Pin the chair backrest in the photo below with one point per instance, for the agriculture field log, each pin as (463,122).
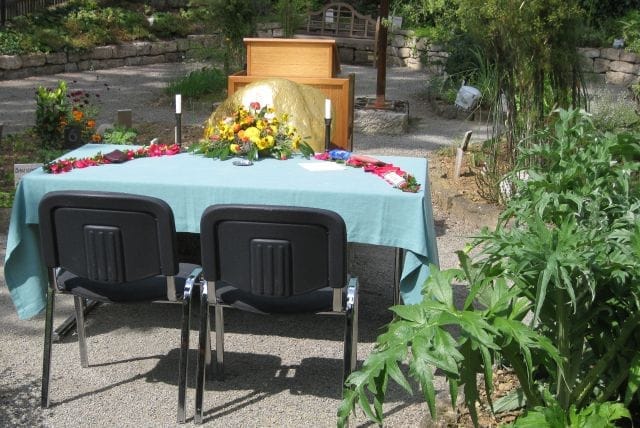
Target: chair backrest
(107,237)
(273,250)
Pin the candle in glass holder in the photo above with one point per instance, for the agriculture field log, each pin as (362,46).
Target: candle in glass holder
(178,103)
(327,108)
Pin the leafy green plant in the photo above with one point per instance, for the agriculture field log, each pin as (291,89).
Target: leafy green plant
(120,135)
(52,108)
(566,254)
(199,83)
(630,26)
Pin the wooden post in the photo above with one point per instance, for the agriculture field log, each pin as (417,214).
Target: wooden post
(124,119)
(381,60)
(460,154)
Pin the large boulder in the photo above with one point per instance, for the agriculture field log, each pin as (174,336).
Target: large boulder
(304,105)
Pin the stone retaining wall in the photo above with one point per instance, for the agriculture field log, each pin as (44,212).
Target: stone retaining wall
(102,57)
(404,49)
(618,66)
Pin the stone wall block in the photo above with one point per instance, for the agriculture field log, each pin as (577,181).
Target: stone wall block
(34,60)
(362,57)
(133,60)
(52,69)
(70,67)
(397,41)
(142,48)
(414,64)
(405,52)
(56,58)
(102,52)
(422,44)
(152,59)
(610,53)
(277,32)
(630,57)
(74,57)
(624,67)
(589,52)
(10,62)
(346,55)
(124,51)
(586,64)
(85,65)
(182,44)
(601,65)
(172,57)
(620,78)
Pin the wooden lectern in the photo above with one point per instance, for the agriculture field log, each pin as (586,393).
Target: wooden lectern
(312,62)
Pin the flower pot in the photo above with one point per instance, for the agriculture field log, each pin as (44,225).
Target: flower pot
(72,137)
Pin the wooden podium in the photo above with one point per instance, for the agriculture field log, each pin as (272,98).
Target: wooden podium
(312,62)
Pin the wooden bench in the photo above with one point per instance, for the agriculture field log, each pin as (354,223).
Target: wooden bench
(339,20)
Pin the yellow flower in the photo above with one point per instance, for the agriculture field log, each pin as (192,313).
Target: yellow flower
(235,148)
(253,134)
(265,143)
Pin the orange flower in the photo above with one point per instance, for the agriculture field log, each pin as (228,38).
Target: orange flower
(96,138)
(91,123)
(77,115)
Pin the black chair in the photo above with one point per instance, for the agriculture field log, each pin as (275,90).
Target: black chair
(114,248)
(273,259)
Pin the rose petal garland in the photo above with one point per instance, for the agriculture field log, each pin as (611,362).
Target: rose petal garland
(152,150)
(388,172)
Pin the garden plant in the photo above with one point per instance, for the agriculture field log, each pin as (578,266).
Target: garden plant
(554,293)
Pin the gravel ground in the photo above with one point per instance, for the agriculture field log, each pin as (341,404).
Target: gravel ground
(281,370)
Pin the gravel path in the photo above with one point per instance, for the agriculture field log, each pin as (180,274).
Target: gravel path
(281,370)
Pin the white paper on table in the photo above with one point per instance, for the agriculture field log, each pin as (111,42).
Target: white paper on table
(322,166)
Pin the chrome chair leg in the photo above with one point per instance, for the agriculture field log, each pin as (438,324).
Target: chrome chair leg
(202,349)
(46,359)
(350,330)
(219,315)
(79,304)
(184,353)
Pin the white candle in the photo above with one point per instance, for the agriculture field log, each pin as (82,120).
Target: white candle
(327,108)
(178,103)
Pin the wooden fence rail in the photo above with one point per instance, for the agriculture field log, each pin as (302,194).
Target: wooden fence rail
(12,8)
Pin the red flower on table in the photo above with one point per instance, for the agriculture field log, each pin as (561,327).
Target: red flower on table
(152,150)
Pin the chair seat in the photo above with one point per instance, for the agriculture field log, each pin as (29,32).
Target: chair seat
(314,301)
(149,289)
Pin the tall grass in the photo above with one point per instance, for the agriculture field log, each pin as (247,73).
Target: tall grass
(199,84)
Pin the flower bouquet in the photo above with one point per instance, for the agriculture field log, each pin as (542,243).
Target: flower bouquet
(252,133)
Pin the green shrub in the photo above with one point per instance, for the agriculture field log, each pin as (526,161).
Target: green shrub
(120,135)
(554,292)
(614,111)
(630,25)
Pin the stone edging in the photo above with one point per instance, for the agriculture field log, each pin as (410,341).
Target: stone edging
(102,57)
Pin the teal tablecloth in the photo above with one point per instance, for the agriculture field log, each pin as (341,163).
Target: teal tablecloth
(374,212)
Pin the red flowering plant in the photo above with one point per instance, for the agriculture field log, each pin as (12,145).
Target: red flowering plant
(117,156)
(82,116)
